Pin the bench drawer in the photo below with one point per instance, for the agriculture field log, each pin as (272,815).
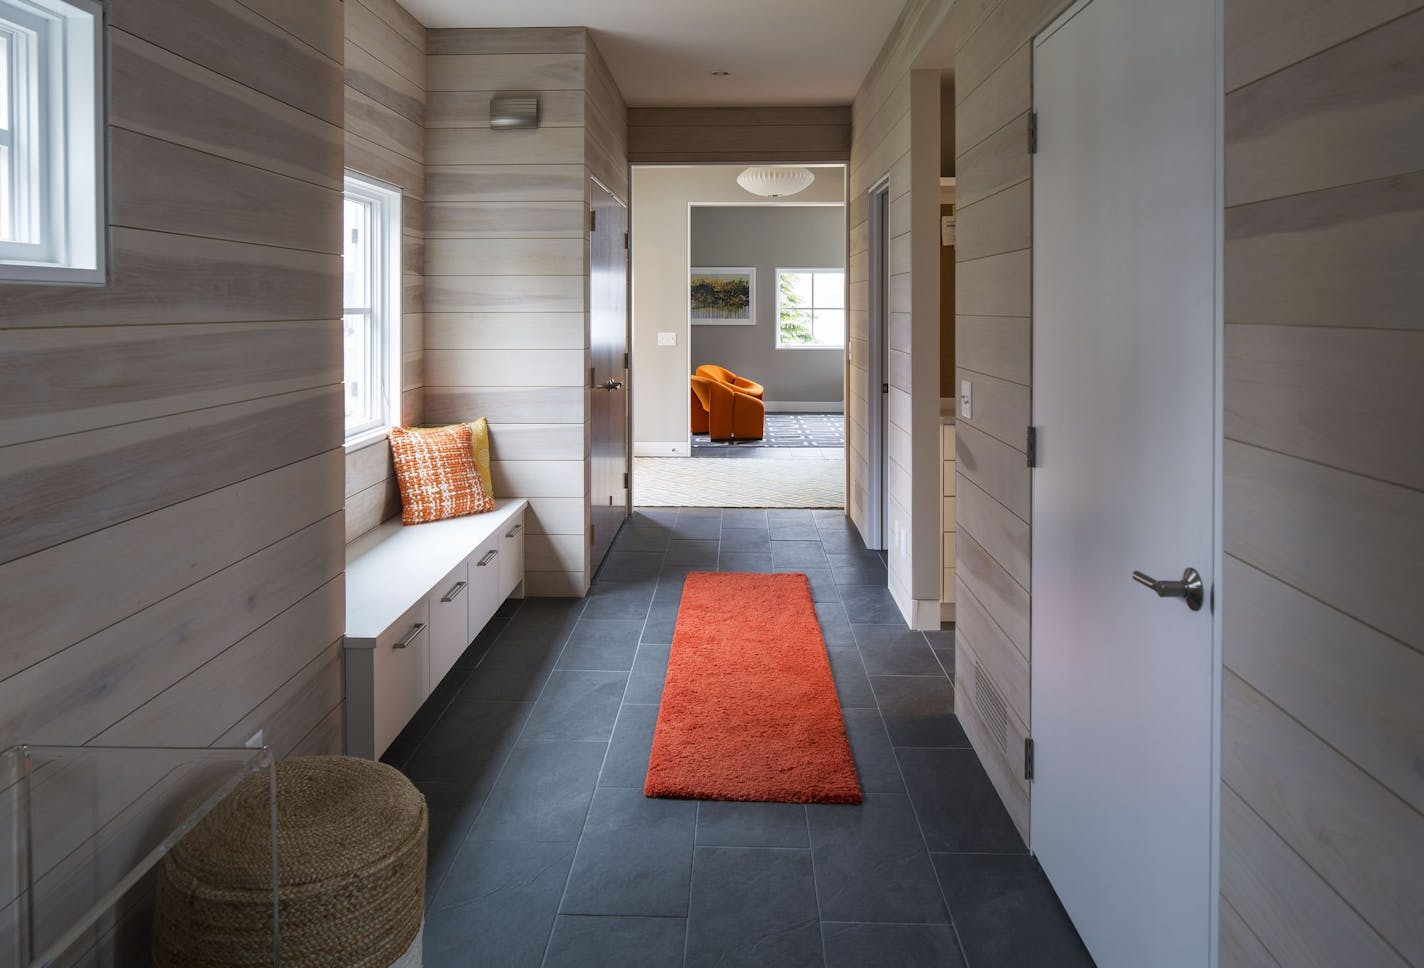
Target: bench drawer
(511,556)
(484,582)
(400,667)
(449,623)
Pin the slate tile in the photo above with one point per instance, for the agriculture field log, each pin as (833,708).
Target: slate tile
(580,941)
(871,605)
(627,600)
(542,794)
(731,824)
(871,863)
(745,540)
(753,907)
(632,745)
(874,757)
(645,685)
(958,808)
(635,857)
(891,651)
(918,710)
(602,644)
(1006,912)
(576,706)
(798,555)
(891,946)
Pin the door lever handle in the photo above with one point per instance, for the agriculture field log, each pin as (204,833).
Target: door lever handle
(1189,588)
(611,385)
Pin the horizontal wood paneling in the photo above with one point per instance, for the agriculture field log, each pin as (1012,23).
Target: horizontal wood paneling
(730,135)
(1339,257)
(1288,646)
(491,331)
(507,40)
(172,464)
(386,139)
(1372,404)
(1347,540)
(1322,828)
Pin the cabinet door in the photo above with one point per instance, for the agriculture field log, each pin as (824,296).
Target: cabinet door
(511,556)
(401,666)
(484,583)
(449,623)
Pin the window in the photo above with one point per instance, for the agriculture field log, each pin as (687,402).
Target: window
(51,144)
(810,308)
(371,307)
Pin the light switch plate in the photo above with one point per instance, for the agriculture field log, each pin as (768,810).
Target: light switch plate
(966,399)
(667,339)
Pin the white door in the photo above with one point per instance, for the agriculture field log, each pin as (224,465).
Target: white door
(1125,347)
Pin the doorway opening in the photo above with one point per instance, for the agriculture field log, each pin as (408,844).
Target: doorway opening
(740,307)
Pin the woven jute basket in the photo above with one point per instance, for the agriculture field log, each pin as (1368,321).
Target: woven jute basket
(351,857)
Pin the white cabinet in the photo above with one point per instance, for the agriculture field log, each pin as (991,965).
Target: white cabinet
(511,558)
(415,598)
(449,622)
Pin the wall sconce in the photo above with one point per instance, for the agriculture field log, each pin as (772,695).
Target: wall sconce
(514,111)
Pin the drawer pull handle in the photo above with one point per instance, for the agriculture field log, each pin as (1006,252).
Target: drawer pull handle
(488,558)
(453,593)
(515,530)
(410,637)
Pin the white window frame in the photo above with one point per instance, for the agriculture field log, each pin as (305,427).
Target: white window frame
(384,268)
(843,308)
(59,169)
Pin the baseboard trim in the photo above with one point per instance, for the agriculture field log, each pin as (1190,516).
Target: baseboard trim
(946,612)
(662,448)
(926,617)
(804,406)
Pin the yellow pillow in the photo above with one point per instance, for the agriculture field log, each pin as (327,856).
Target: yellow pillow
(479,432)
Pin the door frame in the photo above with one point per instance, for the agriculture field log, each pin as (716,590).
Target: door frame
(1215,593)
(598,184)
(876,406)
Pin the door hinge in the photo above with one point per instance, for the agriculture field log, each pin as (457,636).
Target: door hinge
(625,240)
(592,220)
(1031,447)
(884,388)
(592,379)
(625,480)
(1028,758)
(625,361)
(1033,132)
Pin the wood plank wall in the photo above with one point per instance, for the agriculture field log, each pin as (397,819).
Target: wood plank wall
(507,268)
(171,536)
(993,277)
(739,135)
(883,146)
(385,139)
(1322,836)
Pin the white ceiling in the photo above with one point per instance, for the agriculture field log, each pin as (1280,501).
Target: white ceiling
(662,52)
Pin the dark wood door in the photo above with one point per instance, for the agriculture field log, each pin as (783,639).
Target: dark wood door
(608,357)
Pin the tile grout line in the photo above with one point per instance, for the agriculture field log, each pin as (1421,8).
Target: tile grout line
(513,746)
(914,812)
(613,731)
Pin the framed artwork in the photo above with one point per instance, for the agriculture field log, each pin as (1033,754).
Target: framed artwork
(723,297)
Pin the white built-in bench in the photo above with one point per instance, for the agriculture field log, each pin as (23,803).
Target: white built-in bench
(416,597)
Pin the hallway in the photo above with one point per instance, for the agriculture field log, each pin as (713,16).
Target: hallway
(543,849)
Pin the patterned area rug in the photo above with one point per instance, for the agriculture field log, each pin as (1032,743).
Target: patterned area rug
(789,430)
(765,483)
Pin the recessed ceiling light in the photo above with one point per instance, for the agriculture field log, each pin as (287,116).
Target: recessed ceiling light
(721,73)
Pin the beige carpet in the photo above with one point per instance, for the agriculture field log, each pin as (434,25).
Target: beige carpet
(764,482)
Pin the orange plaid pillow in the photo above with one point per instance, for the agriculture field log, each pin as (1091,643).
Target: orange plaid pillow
(437,474)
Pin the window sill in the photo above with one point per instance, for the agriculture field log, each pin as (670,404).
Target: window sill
(838,347)
(366,438)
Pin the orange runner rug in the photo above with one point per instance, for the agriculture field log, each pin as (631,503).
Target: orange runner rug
(749,709)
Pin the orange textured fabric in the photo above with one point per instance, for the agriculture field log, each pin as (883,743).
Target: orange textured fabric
(437,474)
(711,371)
(749,709)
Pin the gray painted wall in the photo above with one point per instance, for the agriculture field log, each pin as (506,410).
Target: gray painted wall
(799,237)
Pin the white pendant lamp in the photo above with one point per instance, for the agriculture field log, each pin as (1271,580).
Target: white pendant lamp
(776,181)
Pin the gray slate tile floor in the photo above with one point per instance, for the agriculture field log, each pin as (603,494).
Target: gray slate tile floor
(544,851)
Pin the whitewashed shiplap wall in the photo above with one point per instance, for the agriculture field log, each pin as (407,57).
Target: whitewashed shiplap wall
(385,138)
(507,268)
(171,482)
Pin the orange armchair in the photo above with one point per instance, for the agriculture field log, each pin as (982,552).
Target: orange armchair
(721,374)
(724,412)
